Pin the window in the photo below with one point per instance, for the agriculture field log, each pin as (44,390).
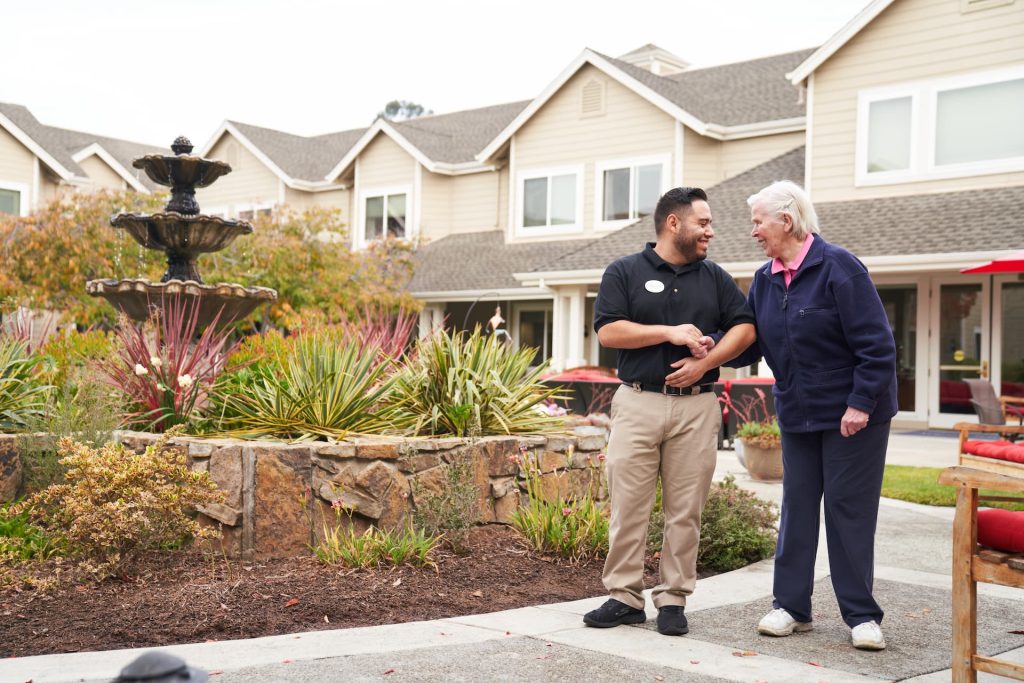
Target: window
(550,202)
(10,202)
(961,126)
(254,211)
(628,190)
(385,216)
(13,198)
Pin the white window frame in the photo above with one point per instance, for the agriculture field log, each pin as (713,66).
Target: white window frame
(924,113)
(632,163)
(217,211)
(544,230)
(411,222)
(23,198)
(255,207)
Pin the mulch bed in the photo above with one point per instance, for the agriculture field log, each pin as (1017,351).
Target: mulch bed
(185,597)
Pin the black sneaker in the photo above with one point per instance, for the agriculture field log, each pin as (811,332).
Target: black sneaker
(614,613)
(672,621)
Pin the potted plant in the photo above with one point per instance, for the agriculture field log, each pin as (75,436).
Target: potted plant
(759,443)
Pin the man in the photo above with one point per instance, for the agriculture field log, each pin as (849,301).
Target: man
(654,306)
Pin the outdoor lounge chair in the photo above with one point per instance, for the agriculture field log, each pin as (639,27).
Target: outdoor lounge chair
(993,410)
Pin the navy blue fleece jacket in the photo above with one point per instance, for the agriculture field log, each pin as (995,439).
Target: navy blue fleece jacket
(827,340)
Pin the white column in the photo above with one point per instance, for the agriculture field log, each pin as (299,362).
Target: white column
(559,330)
(575,351)
(431,319)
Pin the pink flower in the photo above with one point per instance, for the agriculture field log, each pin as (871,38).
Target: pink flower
(566,512)
(601,457)
(336,504)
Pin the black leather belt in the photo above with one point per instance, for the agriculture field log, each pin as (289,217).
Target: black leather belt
(692,390)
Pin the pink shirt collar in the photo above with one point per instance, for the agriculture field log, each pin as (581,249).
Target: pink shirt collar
(788,271)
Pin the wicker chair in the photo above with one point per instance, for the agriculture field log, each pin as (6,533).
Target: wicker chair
(995,410)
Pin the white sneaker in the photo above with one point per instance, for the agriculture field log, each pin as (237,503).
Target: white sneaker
(868,636)
(779,622)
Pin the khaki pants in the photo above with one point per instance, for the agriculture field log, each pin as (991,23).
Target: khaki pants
(675,437)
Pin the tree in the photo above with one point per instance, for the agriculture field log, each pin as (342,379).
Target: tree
(403,110)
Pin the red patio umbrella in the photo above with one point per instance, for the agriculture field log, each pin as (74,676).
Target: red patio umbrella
(1014,263)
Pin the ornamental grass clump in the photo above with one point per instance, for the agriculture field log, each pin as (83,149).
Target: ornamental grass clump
(463,384)
(755,423)
(311,386)
(116,504)
(574,528)
(374,547)
(22,391)
(165,369)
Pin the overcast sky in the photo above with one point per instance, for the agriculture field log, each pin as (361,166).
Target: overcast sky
(149,71)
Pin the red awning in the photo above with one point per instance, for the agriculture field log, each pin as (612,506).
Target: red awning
(1014,263)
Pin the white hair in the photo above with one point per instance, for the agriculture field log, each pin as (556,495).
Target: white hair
(785,196)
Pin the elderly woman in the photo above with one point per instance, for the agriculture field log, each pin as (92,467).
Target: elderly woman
(823,331)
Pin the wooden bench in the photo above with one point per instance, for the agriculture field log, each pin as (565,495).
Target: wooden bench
(971,563)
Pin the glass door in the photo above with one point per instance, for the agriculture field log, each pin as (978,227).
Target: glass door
(960,347)
(1008,333)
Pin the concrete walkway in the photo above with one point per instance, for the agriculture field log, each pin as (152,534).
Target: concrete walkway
(550,643)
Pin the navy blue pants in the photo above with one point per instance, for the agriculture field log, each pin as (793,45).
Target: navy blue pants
(848,471)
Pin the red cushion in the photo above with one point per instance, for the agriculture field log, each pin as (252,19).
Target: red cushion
(1001,529)
(998,450)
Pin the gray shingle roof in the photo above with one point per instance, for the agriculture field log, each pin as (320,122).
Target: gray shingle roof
(62,144)
(459,136)
(731,94)
(303,158)
(478,260)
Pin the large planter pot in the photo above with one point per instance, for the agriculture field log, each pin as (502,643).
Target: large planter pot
(763,464)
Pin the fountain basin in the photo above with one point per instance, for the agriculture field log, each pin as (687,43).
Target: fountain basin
(138,298)
(183,170)
(183,237)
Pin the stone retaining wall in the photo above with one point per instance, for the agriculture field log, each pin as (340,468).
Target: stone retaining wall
(278,496)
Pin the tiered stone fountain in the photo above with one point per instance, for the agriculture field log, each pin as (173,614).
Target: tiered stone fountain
(183,233)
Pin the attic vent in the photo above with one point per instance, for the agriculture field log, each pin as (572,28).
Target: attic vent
(975,5)
(232,155)
(592,98)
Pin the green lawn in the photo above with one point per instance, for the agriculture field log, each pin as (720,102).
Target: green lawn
(919,485)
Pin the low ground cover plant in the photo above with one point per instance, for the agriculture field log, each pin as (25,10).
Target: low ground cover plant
(374,547)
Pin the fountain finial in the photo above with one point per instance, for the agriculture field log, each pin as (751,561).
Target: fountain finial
(181,145)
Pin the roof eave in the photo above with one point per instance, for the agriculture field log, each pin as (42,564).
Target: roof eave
(832,45)
(107,158)
(37,149)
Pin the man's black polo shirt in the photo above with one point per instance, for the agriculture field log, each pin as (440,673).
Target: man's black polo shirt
(646,289)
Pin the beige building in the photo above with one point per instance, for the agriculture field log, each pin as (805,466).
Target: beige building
(39,162)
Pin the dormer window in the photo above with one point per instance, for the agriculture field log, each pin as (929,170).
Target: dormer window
(384,213)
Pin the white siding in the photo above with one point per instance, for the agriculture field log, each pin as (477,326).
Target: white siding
(15,161)
(911,40)
(742,155)
(384,164)
(558,135)
(436,205)
(100,174)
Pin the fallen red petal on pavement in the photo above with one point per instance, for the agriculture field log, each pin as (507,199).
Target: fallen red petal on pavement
(389,671)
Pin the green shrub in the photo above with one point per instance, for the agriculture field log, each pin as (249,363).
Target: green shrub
(22,392)
(737,528)
(311,387)
(471,385)
(343,545)
(72,358)
(20,539)
(453,511)
(575,528)
(116,504)
(763,433)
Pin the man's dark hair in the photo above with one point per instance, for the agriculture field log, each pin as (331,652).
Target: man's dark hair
(672,200)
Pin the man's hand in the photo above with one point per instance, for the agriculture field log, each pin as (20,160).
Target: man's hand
(689,336)
(853,421)
(690,370)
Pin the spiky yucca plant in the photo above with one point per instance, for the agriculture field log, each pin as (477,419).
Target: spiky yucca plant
(22,394)
(470,385)
(311,388)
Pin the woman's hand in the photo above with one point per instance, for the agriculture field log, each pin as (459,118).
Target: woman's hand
(853,421)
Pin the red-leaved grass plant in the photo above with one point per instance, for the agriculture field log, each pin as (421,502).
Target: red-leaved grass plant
(163,368)
(382,329)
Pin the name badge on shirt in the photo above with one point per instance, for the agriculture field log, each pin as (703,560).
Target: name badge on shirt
(654,286)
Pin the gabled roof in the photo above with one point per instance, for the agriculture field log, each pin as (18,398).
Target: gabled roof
(832,45)
(297,157)
(745,98)
(485,262)
(443,143)
(61,149)
(735,94)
